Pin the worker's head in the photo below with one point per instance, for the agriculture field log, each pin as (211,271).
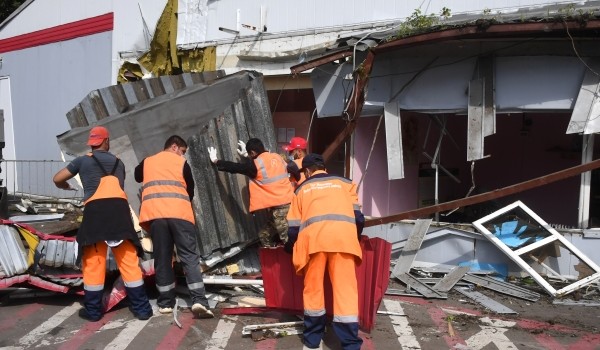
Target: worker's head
(99,138)
(254,147)
(311,163)
(176,144)
(296,148)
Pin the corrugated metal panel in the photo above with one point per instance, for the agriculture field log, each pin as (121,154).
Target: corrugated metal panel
(215,114)
(116,99)
(13,256)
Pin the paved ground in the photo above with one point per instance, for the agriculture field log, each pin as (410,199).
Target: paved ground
(52,323)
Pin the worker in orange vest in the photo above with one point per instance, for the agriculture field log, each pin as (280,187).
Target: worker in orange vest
(166,213)
(325,223)
(269,186)
(297,151)
(106,223)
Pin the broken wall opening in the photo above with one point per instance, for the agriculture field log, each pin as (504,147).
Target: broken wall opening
(525,146)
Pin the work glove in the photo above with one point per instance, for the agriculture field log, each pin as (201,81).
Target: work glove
(212,153)
(242,149)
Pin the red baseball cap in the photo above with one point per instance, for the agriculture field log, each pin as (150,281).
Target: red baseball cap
(295,143)
(97,135)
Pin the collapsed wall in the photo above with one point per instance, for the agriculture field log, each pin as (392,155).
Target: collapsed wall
(216,112)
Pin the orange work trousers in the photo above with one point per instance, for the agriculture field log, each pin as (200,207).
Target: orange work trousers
(94,265)
(342,273)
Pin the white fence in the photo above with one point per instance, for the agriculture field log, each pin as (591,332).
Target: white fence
(23,178)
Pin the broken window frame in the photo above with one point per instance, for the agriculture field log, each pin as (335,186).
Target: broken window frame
(515,255)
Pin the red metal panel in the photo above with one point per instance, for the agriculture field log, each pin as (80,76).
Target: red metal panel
(283,288)
(88,26)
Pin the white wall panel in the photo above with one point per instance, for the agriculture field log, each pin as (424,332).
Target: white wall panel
(42,14)
(46,83)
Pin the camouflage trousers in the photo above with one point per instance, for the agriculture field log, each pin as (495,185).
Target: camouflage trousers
(276,228)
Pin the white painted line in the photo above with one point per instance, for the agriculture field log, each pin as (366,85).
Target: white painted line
(131,330)
(403,330)
(126,336)
(222,333)
(38,333)
(494,333)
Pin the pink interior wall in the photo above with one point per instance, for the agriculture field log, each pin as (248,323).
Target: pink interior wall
(517,152)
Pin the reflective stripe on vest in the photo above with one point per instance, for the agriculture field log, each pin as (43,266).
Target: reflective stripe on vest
(164,191)
(327,217)
(271,186)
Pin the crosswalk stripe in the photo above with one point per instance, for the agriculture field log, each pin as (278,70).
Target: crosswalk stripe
(220,337)
(403,330)
(131,330)
(41,330)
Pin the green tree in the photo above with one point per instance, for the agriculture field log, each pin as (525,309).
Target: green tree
(7,7)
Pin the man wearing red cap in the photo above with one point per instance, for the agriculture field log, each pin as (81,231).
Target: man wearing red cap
(106,223)
(297,150)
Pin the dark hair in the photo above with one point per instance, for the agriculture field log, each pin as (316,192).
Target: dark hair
(177,140)
(255,145)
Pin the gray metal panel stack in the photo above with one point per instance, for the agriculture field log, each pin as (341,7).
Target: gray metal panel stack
(13,256)
(218,113)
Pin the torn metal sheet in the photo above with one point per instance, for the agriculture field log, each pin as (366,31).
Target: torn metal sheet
(13,256)
(408,253)
(424,289)
(486,69)
(489,303)
(475,124)
(501,287)
(519,232)
(393,139)
(448,282)
(587,106)
(216,114)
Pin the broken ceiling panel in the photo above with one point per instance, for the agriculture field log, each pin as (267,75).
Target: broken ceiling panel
(587,106)
(218,113)
(475,123)
(537,248)
(393,139)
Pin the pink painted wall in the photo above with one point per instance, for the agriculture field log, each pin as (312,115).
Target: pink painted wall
(521,149)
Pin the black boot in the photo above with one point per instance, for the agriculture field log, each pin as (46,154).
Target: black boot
(138,302)
(92,303)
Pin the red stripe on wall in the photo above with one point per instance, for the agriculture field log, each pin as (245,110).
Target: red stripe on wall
(88,26)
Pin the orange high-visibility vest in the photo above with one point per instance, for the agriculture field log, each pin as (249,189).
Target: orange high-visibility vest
(270,187)
(323,208)
(109,186)
(164,191)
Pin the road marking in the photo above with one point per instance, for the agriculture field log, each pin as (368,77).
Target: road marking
(131,330)
(220,337)
(493,333)
(40,331)
(403,330)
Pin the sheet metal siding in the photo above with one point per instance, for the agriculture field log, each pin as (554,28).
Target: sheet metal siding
(219,113)
(13,256)
(116,99)
(311,14)
(45,83)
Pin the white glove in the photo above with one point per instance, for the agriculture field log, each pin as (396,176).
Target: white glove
(242,149)
(212,153)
